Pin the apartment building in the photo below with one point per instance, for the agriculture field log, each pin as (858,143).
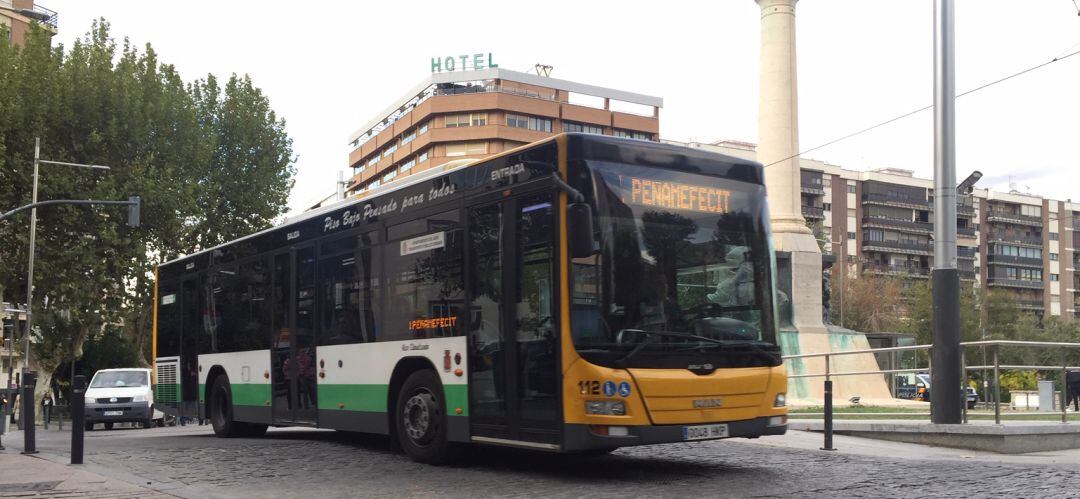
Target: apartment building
(17,16)
(475,113)
(881,221)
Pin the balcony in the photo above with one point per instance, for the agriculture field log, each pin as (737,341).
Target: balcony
(901,225)
(965,210)
(1012,218)
(966,253)
(885,200)
(808,188)
(899,270)
(1031,304)
(967,275)
(1031,242)
(1018,261)
(904,247)
(814,212)
(1014,283)
(965,231)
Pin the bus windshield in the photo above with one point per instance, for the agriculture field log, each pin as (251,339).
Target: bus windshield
(683,278)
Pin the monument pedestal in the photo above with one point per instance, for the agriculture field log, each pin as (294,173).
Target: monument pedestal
(802,330)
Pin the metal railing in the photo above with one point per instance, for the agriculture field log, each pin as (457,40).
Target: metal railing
(894,222)
(813,211)
(898,246)
(996,366)
(873,197)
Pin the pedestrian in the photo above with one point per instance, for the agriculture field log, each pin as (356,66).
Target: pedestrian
(1072,381)
(46,408)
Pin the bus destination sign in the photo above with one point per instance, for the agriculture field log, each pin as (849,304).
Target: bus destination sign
(676,196)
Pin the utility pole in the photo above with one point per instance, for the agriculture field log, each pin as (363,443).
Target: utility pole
(945,397)
(30,271)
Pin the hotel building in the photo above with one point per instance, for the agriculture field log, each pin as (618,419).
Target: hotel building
(476,113)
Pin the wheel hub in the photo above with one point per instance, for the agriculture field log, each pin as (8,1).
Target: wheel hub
(417,417)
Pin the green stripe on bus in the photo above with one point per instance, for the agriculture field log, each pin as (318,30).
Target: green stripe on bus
(257,394)
(372,398)
(369,398)
(457,396)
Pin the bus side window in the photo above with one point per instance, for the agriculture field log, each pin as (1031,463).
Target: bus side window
(424,282)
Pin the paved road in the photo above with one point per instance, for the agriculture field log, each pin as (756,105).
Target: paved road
(190,462)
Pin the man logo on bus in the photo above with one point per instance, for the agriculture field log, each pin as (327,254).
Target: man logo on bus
(609,388)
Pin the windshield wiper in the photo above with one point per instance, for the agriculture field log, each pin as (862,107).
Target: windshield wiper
(649,335)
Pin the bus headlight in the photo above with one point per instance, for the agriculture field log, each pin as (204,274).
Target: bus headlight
(605,407)
(780,400)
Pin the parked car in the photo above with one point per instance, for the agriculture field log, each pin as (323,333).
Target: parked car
(121,396)
(918,386)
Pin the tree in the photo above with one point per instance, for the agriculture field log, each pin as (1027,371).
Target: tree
(210,163)
(871,303)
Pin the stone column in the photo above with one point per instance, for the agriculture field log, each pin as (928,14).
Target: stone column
(778,113)
(778,144)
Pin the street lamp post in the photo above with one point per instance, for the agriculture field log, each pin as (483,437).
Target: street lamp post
(33,234)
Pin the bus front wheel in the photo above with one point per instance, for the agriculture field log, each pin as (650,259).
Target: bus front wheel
(421,418)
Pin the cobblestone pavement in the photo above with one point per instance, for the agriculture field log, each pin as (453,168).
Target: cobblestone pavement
(190,462)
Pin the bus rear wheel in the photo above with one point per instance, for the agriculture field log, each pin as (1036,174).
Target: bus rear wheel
(421,419)
(221,413)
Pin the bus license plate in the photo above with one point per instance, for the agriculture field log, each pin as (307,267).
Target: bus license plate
(704,432)
(113,413)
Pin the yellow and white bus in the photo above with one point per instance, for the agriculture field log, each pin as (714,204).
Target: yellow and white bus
(578,294)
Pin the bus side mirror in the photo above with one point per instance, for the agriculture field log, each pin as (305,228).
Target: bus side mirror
(580,231)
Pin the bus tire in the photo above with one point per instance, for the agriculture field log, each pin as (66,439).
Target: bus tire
(421,418)
(221,410)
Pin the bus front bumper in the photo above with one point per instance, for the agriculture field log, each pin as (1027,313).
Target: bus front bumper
(579,437)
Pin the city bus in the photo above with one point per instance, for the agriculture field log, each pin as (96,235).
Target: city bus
(578,294)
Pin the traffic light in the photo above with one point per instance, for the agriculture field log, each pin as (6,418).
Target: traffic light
(133,211)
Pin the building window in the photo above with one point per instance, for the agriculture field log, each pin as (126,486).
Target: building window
(466,148)
(1053,236)
(517,121)
(630,134)
(1054,277)
(851,235)
(390,175)
(582,128)
(827,207)
(423,156)
(389,150)
(409,137)
(851,212)
(538,124)
(423,129)
(406,166)
(851,189)
(1053,257)
(463,120)
(374,183)
(1030,211)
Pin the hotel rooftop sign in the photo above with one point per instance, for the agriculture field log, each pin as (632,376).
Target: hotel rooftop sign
(462,63)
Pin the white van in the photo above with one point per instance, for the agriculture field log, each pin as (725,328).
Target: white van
(120,396)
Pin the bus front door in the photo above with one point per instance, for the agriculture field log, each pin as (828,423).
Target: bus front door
(514,357)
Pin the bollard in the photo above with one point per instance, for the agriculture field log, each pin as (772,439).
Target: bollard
(29,442)
(77,404)
(828,416)
(3,415)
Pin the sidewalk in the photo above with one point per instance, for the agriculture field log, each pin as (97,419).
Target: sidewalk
(29,476)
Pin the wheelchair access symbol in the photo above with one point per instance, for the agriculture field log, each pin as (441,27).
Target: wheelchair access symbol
(624,389)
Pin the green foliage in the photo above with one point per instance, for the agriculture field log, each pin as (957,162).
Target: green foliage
(212,162)
(1019,380)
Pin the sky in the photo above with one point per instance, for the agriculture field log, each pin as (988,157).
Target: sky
(329,67)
